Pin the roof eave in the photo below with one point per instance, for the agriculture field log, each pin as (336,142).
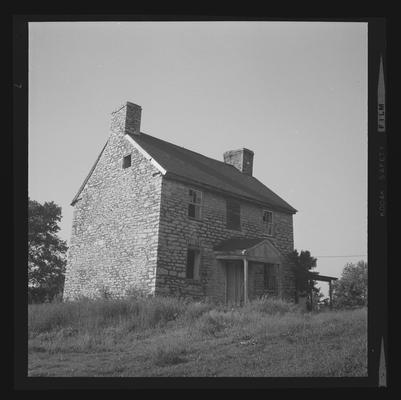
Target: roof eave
(179,178)
(162,170)
(81,188)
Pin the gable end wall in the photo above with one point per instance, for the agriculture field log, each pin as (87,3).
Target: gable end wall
(113,246)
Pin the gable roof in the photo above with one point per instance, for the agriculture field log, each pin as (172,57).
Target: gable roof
(181,164)
(191,167)
(259,250)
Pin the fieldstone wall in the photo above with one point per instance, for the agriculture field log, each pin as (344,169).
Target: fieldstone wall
(114,239)
(178,231)
(131,229)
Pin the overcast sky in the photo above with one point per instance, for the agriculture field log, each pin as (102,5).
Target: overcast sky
(293,92)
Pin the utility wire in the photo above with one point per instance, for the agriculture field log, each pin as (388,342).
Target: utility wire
(358,255)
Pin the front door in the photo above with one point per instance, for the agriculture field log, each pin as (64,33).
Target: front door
(234,282)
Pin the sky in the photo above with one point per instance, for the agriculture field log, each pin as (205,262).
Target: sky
(293,92)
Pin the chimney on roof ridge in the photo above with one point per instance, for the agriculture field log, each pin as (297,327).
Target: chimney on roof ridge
(241,159)
(126,119)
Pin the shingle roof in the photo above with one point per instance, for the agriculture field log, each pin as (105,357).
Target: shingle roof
(238,244)
(187,165)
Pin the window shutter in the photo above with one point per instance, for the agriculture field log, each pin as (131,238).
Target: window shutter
(190,263)
(271,277)
(233,214)
(193,264)
(268,221)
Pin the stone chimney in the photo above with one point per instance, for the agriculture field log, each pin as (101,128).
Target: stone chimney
(241,159)
(126,119)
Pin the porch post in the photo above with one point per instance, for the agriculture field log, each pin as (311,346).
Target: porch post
(330,295)
(245,280)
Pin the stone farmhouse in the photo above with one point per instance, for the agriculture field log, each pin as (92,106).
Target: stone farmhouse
(157,218)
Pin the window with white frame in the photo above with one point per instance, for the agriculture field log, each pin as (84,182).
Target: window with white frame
(193,263)
(268,221)
(194,204)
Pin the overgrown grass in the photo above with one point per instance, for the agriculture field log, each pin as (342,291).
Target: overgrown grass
(161,336)
(133,314)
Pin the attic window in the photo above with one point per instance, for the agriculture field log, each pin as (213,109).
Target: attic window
(268,221)
(194,203)
(233,215)
(127,161)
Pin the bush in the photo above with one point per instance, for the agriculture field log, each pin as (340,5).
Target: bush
(350,291)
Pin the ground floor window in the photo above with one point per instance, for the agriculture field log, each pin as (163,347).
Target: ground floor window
(193,262)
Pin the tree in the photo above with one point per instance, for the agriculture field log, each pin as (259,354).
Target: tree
(351,290)
(46,252)
(302,263)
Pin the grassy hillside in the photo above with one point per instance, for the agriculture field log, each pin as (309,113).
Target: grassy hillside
(170,337)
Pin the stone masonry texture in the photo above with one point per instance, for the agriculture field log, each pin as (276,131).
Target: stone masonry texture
(178,232)
(114,238)
(131,229)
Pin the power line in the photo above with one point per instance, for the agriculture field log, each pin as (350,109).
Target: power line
(358,255)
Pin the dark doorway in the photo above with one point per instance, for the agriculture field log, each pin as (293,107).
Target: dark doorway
(234,282)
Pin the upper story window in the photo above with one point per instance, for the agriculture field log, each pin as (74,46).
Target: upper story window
(268,221)
(271,277)
(233,215)
(127,161)
(193,263)
(194,203)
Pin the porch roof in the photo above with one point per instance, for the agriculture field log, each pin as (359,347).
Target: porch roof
(258,250)
(323,278)
(237,244)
